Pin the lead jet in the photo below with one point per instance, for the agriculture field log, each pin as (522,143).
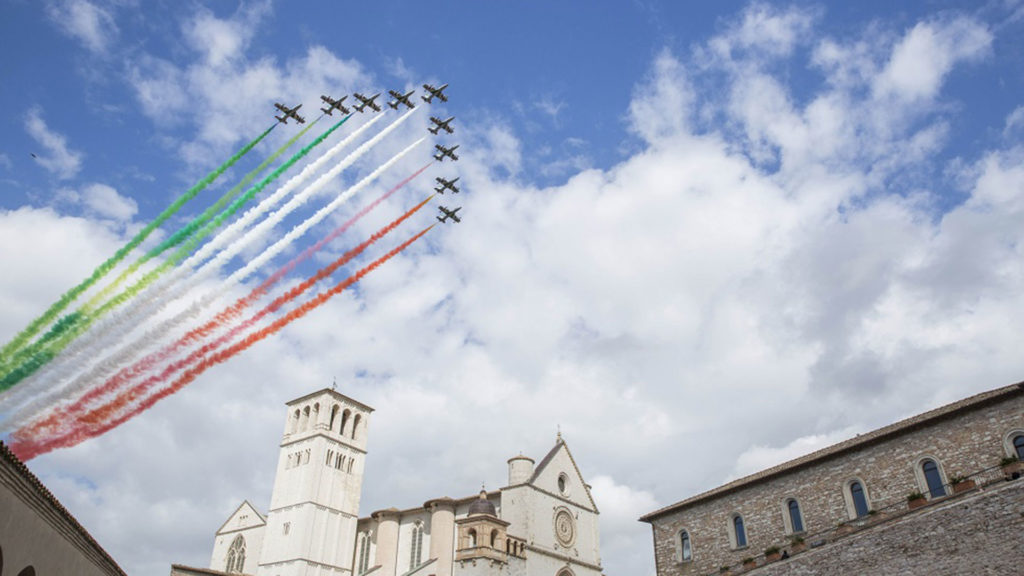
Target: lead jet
(366,102)
(439,92)
(333,105)
(446,185)
(440,125)
(289,113)
(401,99)
(443,152)
(448,214)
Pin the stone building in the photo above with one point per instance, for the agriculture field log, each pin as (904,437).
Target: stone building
(544,522)
(933,494)
(37,534)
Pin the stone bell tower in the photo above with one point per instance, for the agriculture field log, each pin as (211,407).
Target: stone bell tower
(311,524)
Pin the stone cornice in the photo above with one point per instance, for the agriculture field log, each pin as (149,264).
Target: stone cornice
(560,556)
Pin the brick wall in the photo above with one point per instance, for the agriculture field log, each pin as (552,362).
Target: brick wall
(962,443)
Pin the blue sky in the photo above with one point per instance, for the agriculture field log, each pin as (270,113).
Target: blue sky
(669,206)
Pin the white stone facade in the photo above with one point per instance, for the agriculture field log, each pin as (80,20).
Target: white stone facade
(544,522)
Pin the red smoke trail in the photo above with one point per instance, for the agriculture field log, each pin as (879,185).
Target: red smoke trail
(125,375)
(105,418)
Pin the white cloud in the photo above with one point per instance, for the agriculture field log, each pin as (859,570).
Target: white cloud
(923,58)
(90,24)
(1014,121)
(60,160)
(105,201)
(5,161)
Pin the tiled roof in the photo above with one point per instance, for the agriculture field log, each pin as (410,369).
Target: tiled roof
(858,442)
(190,570)
(51,510)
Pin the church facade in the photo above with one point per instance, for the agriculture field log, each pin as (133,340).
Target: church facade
(544,522)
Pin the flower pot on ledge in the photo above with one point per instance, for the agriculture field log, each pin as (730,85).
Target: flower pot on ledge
(964,486)
(797,548)
(917,503)
(1013,470)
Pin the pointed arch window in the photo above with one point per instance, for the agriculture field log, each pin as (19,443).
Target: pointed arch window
(416,553)
(236,556)
(364,552)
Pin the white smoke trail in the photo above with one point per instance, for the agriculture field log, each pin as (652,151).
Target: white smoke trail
(151,305)
(52,379)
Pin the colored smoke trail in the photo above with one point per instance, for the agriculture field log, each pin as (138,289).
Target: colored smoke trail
(103,370)
(106,418)
(188,229)
(73,325)
(83,404)
(65,300)
(117,326)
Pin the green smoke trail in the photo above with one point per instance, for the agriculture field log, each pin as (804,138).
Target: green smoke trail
(36,325)
(186,230)
(73,325)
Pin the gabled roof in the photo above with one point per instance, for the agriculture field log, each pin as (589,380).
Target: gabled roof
(30,490)
(856,443)
(244,504)
(559,444)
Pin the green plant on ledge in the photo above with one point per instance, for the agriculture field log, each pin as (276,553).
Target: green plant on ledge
(796,539)
(748,560)
(771,550)
(723,569)
(1008,460)
(957,479)
(917,495)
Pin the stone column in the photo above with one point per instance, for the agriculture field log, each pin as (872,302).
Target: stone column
(442,534)
(387,541)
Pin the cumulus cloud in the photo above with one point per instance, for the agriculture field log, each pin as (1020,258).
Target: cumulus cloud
(88,23)
(58,159)
(923,58)
(106,202)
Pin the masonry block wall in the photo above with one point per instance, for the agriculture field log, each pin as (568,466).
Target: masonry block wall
(962,438)
(980,534)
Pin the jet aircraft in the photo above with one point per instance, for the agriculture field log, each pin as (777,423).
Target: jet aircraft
(366,102)
(439,92)
(401,99)
(440,125)
(333,105)
(443,152)
(289,113)
(448,214)
(446,185)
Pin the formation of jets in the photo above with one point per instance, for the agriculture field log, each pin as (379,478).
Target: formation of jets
(434,93)
(333,105)
(443,153)
(446,185)
(440,125)
(448,214)
(289,113)
(443,184)
(401,99)
(366,102)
